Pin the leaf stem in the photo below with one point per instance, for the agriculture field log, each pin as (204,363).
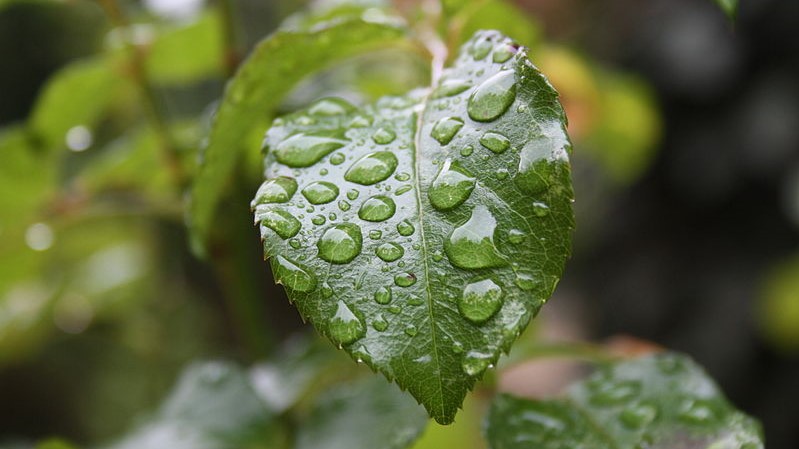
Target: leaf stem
(431,40)
(232,55)
(169,151)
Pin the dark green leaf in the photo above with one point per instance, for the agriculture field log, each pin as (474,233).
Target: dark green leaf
(187,54)
(366,415)
(424,232)
(252,96)
(663,401)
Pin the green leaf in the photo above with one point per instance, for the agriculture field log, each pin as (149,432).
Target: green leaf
(253,95)
(663,401)
(423,233)
(730,7)
(187,54)
(365,415)
(498,15)
(212,406)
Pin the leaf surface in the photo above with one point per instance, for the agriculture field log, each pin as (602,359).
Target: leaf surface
(422,233)
(662,401)
(253,95)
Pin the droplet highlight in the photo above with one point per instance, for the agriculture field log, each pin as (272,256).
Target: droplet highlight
(377,208)
(493,97)
(471,245)
(480,300)
(451,187)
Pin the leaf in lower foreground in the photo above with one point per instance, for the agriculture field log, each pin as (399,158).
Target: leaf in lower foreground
(252,96)
(366,415)
(424,232)
(661,401)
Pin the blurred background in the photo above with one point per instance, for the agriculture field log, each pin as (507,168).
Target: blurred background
(686,132)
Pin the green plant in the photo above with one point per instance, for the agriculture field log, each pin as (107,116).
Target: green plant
(419,231)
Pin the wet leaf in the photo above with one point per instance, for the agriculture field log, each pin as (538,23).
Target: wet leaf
(426,230)
(664,401)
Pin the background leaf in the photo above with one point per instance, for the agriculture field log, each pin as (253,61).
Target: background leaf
(424,232)
(663,401)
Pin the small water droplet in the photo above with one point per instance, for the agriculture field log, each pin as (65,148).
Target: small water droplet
(451,187)
(345,327)
(318,220)
(525,280)
(353,194)
(384,136)
(395,309)
(380,324)
(405,228)
(467,151)
(344,206)
(375,234)
(475,363)
(330,107)
(340,243)
(389,252)
(306,149)
(332,216)
(337,158)
(283,223)
(451,87)
(293,275)
(372,168)
(516,236)
(438,256)
(445,129)
(383,295)
(323,172)
(457,347)
(415,300)
(295,243)
(377,208)
(276,190)
(480,300)
(613,393)
(360,122)
(493,97)
(320,192)
(403,189)
(402,176)
(480,48)
(405,279)
(638,416)
(495,142)
(471,245)
(503,52)
(410,330)
(540,209)
(502,174)
(698,411)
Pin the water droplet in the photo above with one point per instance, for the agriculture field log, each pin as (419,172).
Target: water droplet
(372,168)
(389,252)
(613,393)
(480,48)
(277,190)
(340,243)
(293,275)
(503,52)
(332,216)
(445,129)
(295,243)
(39,237)
(318,220)
(526,281)
(415,300)
(410,330)
(699,411)
(405,228)
(457,347)
(537,171)
(345,327)
(467,151)
(451,187)
(384,136)
(283,223)
(475,363)
(343,205)
(402,176)
(337,158)
(516,236)
(79,138)
(375,234)
(320,192)
(480,300)
(540,209)
(383,295)
(451,87)
(471,245)
(377,208)
(403,189)
(323,172)
(326,290)
(306,149)
(395,309)
(492,98)
(495,142)
(669,365)
(353,194)
(380,324)
(438,256)
(405,279)
(638,416)
(330,107)
(360,122)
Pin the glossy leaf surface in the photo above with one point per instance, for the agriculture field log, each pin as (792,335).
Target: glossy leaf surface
(425,231)
(661,401)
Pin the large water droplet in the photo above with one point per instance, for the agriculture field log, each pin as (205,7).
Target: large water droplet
(383,295)
(405,279)
(320,192)
(475,363)
(445,129)
(405,228)
(277,190)
(278,220)
(372,168)
(480,48)
(492,98)
(306,149)
(503,52)
(389,252)
(377,208)
(451,87)
(471,245)
(451,187)
(384,136)
(345,327)
(480,300)
(293,275)
(330,107)
(495,142)
(340,243)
